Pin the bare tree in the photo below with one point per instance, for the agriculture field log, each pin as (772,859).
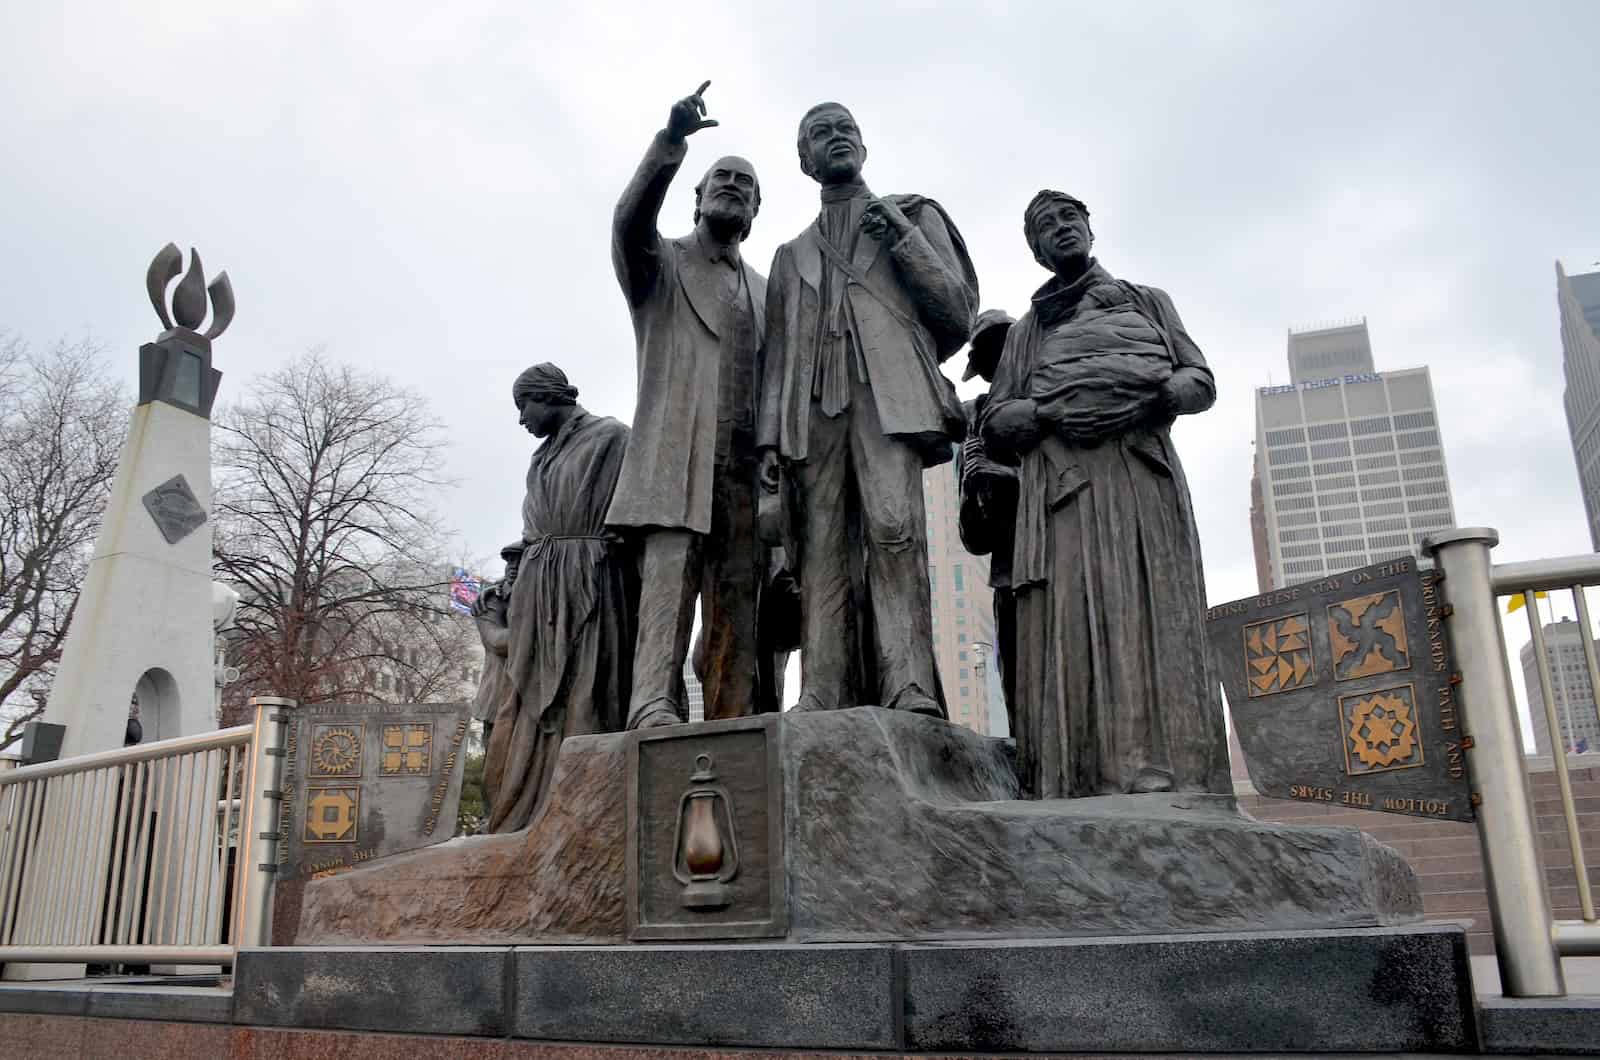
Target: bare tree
(325,479)
(63,420)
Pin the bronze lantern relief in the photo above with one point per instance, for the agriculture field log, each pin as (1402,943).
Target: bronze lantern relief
(705,845)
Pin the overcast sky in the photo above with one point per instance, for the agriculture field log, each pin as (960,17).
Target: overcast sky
(426,190)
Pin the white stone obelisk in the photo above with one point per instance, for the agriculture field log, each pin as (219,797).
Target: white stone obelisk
(143,624)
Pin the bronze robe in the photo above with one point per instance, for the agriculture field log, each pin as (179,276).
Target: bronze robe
(1114,686)
(571,618)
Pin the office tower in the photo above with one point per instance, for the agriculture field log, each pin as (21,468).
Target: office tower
(1569,680)
(1579,300)
(963,612)
(1351,468)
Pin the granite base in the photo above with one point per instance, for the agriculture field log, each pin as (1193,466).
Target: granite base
(1362,990)
(1395,991)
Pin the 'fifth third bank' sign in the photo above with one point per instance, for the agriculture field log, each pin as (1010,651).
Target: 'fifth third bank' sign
(1341,691)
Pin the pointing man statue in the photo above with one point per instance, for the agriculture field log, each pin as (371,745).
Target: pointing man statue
(862,308)
(688,485)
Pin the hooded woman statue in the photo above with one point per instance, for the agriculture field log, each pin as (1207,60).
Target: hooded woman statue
(573,600)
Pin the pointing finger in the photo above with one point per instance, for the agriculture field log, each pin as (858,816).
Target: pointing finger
(703,86)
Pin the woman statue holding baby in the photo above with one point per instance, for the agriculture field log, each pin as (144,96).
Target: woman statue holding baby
(1115,691)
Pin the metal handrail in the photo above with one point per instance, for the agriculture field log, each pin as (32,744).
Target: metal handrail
(1539,575)
(124,855)
(238,736)
(1529,942)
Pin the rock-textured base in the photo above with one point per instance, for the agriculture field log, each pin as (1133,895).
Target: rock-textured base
(902,827)
(559,880)
(896,827)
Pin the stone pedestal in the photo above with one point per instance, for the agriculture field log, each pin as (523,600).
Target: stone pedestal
(853,826)
(1364,990)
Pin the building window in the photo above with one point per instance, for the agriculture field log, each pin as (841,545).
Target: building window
(961,655)
(1414,439)
(961,638)
(1378,425)
(1412,420)
(955,572)
(1292,455)
(1288,437)
(1376,444)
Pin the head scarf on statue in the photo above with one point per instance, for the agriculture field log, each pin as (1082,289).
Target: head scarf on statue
(544,382)
(1049,200)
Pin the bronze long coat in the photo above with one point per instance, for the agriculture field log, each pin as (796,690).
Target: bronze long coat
(678,321)
(911,313)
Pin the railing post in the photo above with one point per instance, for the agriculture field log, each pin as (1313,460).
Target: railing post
(259,838)
(1519,903)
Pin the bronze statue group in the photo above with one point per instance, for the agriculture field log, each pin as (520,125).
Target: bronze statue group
(777,448)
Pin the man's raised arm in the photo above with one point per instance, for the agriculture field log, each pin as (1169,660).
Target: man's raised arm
(635,242)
